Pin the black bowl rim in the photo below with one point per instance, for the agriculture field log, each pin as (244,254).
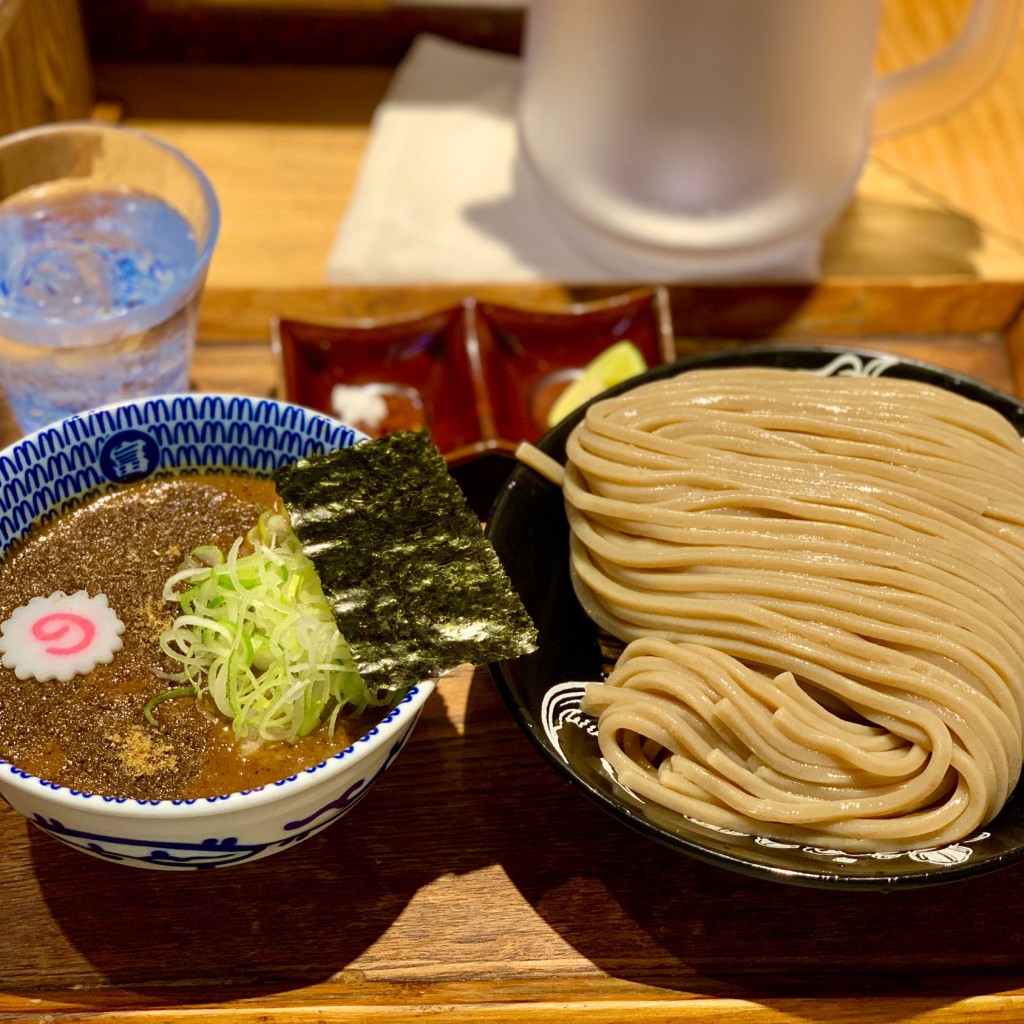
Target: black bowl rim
(794,356)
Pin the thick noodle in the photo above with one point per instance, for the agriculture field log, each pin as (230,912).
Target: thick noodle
(820,582)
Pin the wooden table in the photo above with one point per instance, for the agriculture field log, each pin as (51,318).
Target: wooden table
(474,885)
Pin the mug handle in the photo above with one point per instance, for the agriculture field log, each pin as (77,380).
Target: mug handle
(906,99)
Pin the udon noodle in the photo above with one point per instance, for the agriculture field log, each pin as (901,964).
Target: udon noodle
(820,583)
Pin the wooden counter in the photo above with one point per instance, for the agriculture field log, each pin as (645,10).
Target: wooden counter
(283,147)
(474,885)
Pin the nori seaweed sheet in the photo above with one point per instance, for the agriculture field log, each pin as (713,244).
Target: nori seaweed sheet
(415,586)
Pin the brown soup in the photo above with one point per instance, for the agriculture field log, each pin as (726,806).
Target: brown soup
(90,733)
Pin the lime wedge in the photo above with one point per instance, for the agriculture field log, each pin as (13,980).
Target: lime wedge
(615,364)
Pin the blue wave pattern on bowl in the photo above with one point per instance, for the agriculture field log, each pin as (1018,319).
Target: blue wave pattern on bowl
(217,852)
(44,475)
(49,471)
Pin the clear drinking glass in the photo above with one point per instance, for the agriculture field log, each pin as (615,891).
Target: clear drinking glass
(106,235)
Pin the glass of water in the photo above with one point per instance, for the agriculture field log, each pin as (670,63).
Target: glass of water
(106,235)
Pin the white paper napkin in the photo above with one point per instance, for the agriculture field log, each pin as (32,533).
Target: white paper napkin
(443,196)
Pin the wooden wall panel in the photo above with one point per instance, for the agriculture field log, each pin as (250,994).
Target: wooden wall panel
(296,32)
(45,73)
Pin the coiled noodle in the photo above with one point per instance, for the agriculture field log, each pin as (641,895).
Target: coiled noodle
(820,582)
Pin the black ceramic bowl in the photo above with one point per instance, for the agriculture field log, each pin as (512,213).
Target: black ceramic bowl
(528,528)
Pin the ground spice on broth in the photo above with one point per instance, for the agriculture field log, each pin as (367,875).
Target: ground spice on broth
(89,733)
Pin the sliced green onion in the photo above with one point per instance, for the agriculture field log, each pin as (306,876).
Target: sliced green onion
(151,704)
(257,638)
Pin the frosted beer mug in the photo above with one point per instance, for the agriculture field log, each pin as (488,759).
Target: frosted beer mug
(714,133)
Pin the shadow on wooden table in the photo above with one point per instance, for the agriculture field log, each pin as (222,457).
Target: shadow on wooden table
(295,918)
(644,913)
(901,240)
(882,237)
(473,861)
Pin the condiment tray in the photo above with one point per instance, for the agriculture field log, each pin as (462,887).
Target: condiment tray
(479,376)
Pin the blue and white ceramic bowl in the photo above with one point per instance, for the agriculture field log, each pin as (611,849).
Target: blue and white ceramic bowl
(45,473)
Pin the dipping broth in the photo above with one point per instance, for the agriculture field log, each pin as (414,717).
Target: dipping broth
(90,733)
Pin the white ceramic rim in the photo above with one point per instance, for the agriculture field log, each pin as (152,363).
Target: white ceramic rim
(387,731)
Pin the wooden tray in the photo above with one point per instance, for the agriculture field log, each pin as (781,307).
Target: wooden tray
(474,885)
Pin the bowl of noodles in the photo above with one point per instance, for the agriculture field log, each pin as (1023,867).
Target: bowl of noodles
(780,598)
(121,529)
